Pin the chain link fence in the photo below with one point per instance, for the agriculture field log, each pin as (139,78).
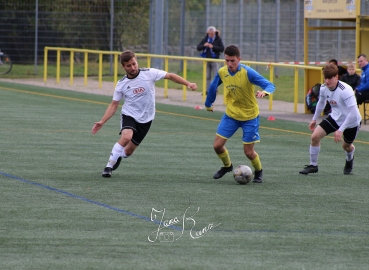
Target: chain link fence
(265,30)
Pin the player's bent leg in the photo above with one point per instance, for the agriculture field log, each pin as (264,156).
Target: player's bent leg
(318,134)
(349,136)
(348,166)
(118,152)
(223,155)
(125,137)
(130,148)
(349,150)
(227,127)
(219,143)
(248,149)
(126,152)
(114,160)
(255,161)
(250,136)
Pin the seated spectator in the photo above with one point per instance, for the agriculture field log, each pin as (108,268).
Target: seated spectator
(312,98)
(362,91)
(341,70)
(351,78)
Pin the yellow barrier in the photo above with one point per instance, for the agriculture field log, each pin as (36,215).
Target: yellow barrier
(270,66)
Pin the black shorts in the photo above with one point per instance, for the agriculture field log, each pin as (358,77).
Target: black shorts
(329,126)
(139,129)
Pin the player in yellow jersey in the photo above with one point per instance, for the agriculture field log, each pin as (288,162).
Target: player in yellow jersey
(242,109)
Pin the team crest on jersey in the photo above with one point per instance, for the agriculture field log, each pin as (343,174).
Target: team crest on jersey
(138,90)
(333,103)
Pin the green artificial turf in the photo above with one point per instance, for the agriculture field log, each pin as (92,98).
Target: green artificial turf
(57,212)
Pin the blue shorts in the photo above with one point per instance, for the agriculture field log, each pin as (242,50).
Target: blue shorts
(228,126)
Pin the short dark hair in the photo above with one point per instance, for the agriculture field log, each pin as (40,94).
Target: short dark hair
(362,55)
(126,56)
(232,50)
(333,61)
(330,71)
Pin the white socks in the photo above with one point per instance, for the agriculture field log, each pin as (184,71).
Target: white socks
(314,152)
(350,155)
(116,152)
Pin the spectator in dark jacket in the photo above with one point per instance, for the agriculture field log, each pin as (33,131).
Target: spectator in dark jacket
(351,78)
(211,46)
(341,70)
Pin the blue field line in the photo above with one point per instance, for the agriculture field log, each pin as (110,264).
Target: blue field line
(86,200)
(172,227)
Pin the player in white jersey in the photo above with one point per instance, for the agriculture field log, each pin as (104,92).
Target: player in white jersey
(137,88)
(344,120)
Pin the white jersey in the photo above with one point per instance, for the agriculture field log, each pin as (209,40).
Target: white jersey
(139,94)
(340,100)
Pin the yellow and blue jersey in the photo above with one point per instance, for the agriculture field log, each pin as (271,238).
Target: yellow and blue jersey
(240,91)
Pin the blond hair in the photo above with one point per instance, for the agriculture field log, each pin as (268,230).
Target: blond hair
(351,65)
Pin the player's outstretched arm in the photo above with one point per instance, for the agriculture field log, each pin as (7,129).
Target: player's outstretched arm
(210,109)
(312,125)
(261,94)
(212,93)
(178,79)
(110,111)
(257,79)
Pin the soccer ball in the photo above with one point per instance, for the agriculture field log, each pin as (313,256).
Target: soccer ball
(242,174)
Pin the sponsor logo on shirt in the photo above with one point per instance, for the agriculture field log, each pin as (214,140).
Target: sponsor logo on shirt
(138,90)
(333,103)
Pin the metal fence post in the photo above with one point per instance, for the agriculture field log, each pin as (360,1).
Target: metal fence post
(204,64)
(100,69)
(151,26)
(317,40)
(158,38)
(258,42)
(166,27)
(45,64)
(71,67)
(207,13)
(277,35)
(241,23)
(297,31)
(224,17)
(85,69)
(111,34)
(182,32)
(36,35)
(184,87)
(166,68)
(296,90)
(58,66)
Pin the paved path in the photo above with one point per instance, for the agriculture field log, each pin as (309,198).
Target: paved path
(280,110)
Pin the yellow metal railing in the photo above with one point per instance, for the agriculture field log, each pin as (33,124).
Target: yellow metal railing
(166,58)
